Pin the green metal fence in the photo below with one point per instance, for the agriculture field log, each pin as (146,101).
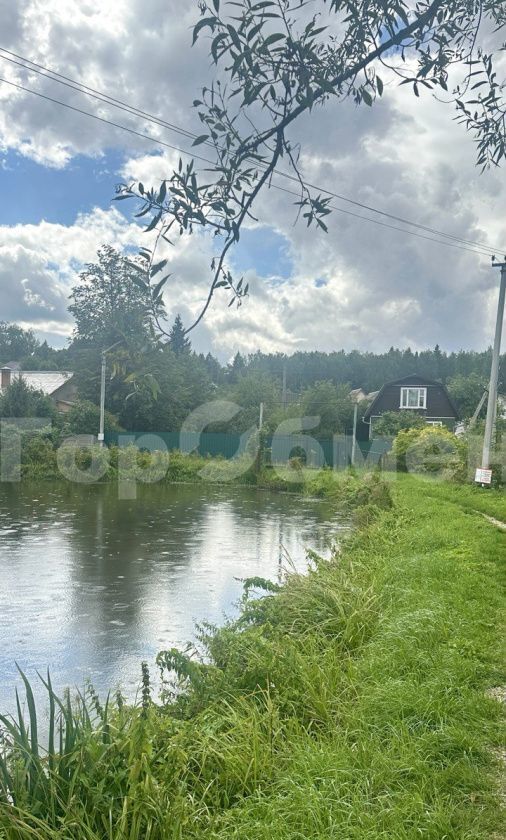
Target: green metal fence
(316,452)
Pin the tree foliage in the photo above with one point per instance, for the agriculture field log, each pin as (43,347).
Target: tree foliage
(178,342)
(332,404)
(156,389)
(20,400)
(392,422)
(431,450)
(466,392)
(111,303)
(276,60)
(15,343)
(84,419)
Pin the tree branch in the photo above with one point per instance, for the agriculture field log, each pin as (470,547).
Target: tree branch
(247,206)
(394,41)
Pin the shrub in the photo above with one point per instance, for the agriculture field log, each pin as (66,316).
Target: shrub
(84,419)
(38,458)
(431,450)
(298,457)
(498,474)
(20,400)
(350,490)
(224,471)
(83,464)
(132,462)
(392,422)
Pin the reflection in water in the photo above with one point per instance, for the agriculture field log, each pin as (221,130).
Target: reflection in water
(91,585)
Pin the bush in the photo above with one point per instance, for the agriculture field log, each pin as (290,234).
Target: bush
(431,450)
(83,464)
(84,419)
(392,422)
(224,471)
(38,457)
(350,490)
(498,475)
(20,400)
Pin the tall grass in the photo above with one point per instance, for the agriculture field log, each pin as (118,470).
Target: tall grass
(40,459)
(349,703)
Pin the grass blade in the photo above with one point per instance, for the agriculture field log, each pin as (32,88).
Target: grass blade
(32,712)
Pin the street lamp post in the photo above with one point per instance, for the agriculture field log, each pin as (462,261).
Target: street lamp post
(102,390)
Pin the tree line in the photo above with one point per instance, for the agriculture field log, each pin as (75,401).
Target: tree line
(155,382)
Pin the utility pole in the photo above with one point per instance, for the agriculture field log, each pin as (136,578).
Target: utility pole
(284,386)
(102,401)
(102,391)
(261,417)
(354,439)
(479,407)
(494,370)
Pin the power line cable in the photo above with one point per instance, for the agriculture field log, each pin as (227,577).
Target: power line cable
(80,87)
(394,227)
(107,99)
(104,120)
(73,84)
(156,140)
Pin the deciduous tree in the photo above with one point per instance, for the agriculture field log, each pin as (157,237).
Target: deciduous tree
(110,302)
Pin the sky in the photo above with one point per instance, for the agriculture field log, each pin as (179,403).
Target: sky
(360,286)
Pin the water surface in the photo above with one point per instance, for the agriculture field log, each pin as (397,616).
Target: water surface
(91,585)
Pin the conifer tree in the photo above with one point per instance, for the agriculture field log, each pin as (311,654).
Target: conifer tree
(177,337)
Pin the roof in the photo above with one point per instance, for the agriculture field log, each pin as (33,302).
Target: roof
(47,381)
(12,366)
(355,395)
(416,380)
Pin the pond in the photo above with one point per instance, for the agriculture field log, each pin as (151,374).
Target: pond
(91,585)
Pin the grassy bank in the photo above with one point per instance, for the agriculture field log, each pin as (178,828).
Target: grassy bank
(469,497)
(350,704)
(42,461)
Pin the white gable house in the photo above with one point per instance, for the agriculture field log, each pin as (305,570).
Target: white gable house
(56,384)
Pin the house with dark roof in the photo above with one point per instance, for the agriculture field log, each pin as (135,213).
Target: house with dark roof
(56,384)
(427,397)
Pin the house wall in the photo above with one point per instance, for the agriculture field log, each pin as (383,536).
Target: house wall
(65,396)
(449,422)
(5,379)
(62,406)
(438,404)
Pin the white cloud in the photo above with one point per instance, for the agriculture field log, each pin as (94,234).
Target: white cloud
(405,156)
(131,50)
(39,263)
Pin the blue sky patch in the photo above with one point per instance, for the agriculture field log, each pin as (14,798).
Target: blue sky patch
(32,192)
(265,251)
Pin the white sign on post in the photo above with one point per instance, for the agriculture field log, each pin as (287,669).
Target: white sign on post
(483,476)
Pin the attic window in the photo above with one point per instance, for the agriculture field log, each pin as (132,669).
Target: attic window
(413,397)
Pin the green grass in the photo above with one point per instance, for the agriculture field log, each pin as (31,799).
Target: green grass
(129,464)
(350,704)
(470,497)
